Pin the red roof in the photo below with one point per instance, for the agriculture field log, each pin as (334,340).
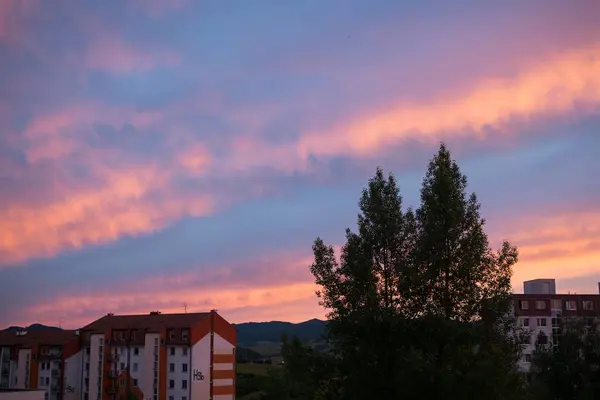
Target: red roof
(148,322)
(47,337)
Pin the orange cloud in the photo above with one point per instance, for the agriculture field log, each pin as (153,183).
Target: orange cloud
(553,86)
(121,200)
(121,206)
(561,245)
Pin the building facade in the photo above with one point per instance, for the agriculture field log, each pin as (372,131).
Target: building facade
(154,356)
(540,312)
(35,360)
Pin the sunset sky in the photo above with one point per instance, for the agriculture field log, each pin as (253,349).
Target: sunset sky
(160,153)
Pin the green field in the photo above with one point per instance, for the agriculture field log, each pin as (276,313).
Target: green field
(267,349)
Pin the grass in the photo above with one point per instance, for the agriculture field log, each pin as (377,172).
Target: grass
(267,349)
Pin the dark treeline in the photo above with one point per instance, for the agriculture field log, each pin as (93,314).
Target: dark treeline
(419,308)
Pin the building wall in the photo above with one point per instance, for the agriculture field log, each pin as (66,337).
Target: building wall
(95,360)
(179,371)
(5,372)
(22,375)
(24,395)
(200,356)
(223,369)
(73,373)
(148,361)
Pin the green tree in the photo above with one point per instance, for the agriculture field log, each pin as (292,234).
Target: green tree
(306,375)
(569,367)
(418,302)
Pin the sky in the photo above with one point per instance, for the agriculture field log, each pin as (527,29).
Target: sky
(183,155)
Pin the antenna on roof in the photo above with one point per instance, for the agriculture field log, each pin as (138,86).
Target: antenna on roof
(214,310)
(185,308)
(60,321)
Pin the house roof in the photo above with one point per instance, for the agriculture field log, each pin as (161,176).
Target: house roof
(49,337)
(149,322)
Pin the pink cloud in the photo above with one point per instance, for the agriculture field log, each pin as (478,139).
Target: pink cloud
(111,53)
(555,86)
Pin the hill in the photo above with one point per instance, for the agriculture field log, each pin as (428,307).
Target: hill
(251,333)
(32,327)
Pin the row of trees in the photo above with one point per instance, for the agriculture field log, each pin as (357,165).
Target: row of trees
(419,306)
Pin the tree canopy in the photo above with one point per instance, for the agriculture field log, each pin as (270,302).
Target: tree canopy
(418,302)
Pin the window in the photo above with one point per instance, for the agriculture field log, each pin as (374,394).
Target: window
(133,335)
(541,321)
(171,384)
(135,382)
(183,367)
(185,334)
(123,335)
(172,351)
(41,381)
(135,367)
(184,384)
(156,341)
(184,351)
(588,305)
(540,305)
(136,351)
(122,366)
(115,335)
(525,321)
(171,397)
(527,358)
(122,351)
(571,305)
(524,304)
(171,334)
(556,304)
(122,383)
(171,367)
(47,381)
(183,397)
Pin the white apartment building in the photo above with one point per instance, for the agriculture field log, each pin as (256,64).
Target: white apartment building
(540,310)
(154,356)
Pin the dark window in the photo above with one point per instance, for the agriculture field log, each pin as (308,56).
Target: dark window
(183,367)
(171,384)
(184,384)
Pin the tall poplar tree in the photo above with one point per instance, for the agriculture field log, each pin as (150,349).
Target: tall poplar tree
(419,302)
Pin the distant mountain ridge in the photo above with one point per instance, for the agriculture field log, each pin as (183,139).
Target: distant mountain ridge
(32,327)
(248,333)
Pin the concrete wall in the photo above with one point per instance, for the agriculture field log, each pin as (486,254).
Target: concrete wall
(72,376)
(200,356)
(24,395)
(179,358)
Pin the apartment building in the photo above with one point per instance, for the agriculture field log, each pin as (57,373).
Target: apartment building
(35,360)
(540,311)
(153,356)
